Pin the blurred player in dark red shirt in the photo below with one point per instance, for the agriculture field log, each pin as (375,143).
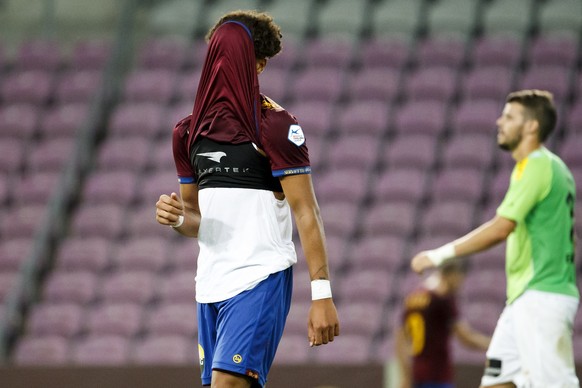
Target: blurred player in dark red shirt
(430,318)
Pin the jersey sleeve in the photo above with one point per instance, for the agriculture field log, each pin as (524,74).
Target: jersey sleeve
(530,183)
(184,169)
(284,143)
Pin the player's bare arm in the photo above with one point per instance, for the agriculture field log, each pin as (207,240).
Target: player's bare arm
(181,212)
(470,337)
(403,349)
(484,237)
(323,323)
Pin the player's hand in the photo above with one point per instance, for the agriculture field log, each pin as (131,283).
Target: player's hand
(168,209)
(421,263)
(323,324)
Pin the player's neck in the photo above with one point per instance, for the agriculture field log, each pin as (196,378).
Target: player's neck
(525,147)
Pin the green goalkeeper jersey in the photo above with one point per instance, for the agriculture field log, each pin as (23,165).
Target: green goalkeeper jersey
(540,251)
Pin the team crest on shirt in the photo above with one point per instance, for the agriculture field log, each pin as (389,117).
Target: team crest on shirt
(201,356)
(296,135)
(237,358)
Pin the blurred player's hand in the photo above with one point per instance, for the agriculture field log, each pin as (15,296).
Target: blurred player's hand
(168,209)
(323,324)
(421,263)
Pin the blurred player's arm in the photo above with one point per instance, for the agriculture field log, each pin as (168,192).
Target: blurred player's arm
(470,337)
(484,237)
(170,209)
(323,322)
(403,350)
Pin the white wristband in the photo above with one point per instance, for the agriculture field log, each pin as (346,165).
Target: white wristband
(180,221)
(439,255)
(320,289)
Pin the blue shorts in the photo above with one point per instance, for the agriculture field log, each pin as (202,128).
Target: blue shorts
(241,334)
(433,385)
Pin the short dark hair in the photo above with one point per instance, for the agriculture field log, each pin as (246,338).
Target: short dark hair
(266,34)
(539,105)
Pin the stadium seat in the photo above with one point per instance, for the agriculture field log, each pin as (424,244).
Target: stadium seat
(502,17)
(273,83)
(317,84)
(163,350)
(114,154)
(22,220)
(152,85)
(110,187)
(177,286)
(349,183)
(381,251)
(8,281)
(128,286)
(341,17)
(55,319)
(383,53)
(358,287)
(315,117)
(447,218)
(78,86)
(212,12)
(44,55)
(184,255)
(162,53)
(363,318)
(13,253)
(106,220)
(435,51)
(447,17)
(487,285)
(499,185)
(399,184)
(487,83)
(79,254)
(476,117)
(46,350)
(11,155)
(353,150)
(554,51)
(159,182)
(27,87)
(338,214)
(496,51)
(294,18)
(139,118)
(293,348)
(171,319)
(51,155)
(64,120)
(351,349)
(469,150)
(431,84)
(560,17)
(388,218)
(411,152)
(570,151)
(141,222)
(374,86)
(396,18)
(147,253)
(459,183)
(328,52)
(78,287)
(100,350)
(186,88)
(431,122)
(555,79)
(18,120)
(123,319)
(90,54)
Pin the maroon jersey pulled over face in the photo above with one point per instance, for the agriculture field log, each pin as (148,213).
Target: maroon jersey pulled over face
(428,320)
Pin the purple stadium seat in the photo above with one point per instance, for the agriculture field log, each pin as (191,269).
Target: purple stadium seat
(184,255)
(165,350)
(64,120)
(483,315)
(130,287)
(61,319)
(106,221)
(187,86)
(349,183)
(141,222)
(493,258)
(288,56)
(317,84)
(364,117)
(315,146)
(470,150)
(296,323)
(177,287)
(554,50)
(431,83)
(502,51)
(78,86)
(570,151)
(168,54)
(128,153)
(384,350)
(33,87)
(448,218)
(78,254)
(430,122)
(13,253)
(389,218)
(22,220)
(105,187)
(360,286)
(573,121)
(147,253)
(492,83)
(314,116)
(460,183)
(123,319)
(51,155)
(499,185)
(411,152)
(339,215)
(273,83)
(150,85)
(18,120)
(383,53)
(381,252)
(464,355)
(353,150)
(364,317)
(293,348)
(486,285)
(476,116)
(161,155)
(552,78)
(71,287)
(158,183)
(328,53)
(448,52)
(350,349)
(395,184)
(8,281)
(172,319)
(375,84)
(138,118)
(39,55)
(49,350)
(91,54)
(101,350)
(35,187)
(11,155)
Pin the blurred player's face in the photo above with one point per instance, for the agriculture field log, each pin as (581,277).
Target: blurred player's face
(510,126)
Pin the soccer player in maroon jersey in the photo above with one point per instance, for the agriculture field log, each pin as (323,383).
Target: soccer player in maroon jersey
(243,167)
(430,318)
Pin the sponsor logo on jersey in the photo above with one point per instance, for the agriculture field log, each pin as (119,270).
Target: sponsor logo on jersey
(296,135)
(214,156)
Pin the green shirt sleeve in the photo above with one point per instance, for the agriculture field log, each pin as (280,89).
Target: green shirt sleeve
(530,183)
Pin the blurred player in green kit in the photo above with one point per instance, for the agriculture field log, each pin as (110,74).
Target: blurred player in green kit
(532,342)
